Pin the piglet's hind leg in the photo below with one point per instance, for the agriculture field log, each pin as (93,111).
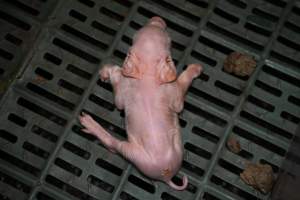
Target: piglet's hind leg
(129,150)
(93,128)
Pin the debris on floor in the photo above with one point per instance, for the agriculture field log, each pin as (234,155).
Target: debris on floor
(259,176)
(239,64)
(233,145)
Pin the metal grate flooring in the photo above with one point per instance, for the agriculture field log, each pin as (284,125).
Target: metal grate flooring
(51,51)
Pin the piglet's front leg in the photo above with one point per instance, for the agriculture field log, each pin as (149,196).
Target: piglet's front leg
(183,82)
(113,74)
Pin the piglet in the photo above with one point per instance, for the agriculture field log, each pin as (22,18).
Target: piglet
(152,95)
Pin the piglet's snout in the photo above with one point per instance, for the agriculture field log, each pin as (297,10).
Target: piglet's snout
(157,21)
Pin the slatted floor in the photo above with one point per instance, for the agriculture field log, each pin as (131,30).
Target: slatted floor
(50,54)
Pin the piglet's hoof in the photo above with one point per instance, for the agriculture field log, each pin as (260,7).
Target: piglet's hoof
(195,70)
(93,128)
(90,126)
(104,74)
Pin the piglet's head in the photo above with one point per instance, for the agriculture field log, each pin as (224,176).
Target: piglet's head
(150,54)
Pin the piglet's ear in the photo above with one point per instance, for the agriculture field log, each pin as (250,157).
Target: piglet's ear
(130,67)
(166,71)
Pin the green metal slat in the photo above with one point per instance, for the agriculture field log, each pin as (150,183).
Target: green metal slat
(24,155)
(266,135)
(114,6)
(254,149)
(11,193)
(40,142)
(274,121)
(196,160)
(207,145)
(104,94)
(70,179)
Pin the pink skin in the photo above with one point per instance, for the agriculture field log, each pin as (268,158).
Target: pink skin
(152,96)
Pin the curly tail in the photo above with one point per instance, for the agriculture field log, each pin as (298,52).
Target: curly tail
(177,187)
